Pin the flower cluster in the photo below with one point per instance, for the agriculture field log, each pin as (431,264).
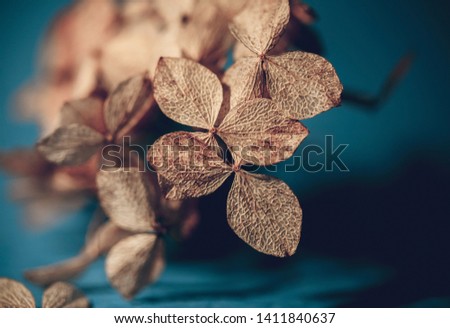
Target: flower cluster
(108,68)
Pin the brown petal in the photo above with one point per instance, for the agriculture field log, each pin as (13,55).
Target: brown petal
(304,84)
(260,24)
(126,196)
(130,97)
(258,132)
(24,162)
(86,111)
(105,238)
(134,263)
(188,92)
(186,166)
(73,144)
(244,78)
(264,213)
(303,12)
(15,295)
(63,295)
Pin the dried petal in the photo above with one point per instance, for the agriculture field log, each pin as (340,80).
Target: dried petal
(258,132)
(264,213)
(186,166)
(42,101)
(130,97)
(260,24)
(135,262)
(15,295)
(205,36)
(188,92)
(70,145)
(230,8)
(87,77)
(118,63)
(126,196)
(304,84)
(104,238)
(63,295)
(87,111)
(76,33)
(244,78)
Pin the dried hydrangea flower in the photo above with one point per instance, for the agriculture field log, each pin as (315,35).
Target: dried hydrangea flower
(131,239)
(68,62)
(88,124)
(59,295)
(190,94)
(261,210)
(304,84)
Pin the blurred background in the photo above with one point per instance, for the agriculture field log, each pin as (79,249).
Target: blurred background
(376,236)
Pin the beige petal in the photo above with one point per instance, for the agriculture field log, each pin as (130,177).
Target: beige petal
(148,42)
(134,263)
(258,132)
(73,144)
(130,97)
(104,238)
(78,31)
(188,92)
(260,24)
(63,295)
(86,79)
(86,111)
(304,84)
(186,166)
(230,8)
(205,37)
(15,295)
(264,213)
(245,80)
(126,196)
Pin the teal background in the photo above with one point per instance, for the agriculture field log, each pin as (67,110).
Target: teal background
(375,236)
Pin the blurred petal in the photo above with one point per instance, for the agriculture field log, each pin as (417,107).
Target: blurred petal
(15,295)
(126,196)
(205,37)
(264,213)
(102,241)
(148,42)
(63,295)
(70,145)
(134,263)
(24,162)
(86,111)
